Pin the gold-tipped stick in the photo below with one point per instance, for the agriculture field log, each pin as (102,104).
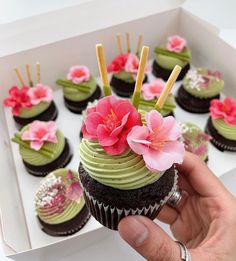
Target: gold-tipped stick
(140,39)
(140,75)
(128,43)
(103,69)
(27,67)
(168,86)
(19,76)
(38,73)
(119,45)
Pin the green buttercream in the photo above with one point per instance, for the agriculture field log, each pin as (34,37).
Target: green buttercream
(147,106)
(76,95)
(124,76)
(33,157)
(70,208)
(34,110)
(125,171)
(214,88)
(226,130)
(168,62)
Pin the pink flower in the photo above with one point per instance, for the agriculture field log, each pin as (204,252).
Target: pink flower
(40,132)
(214,73)
(74,192)
(132,64)
(110,122)
(175,44)
(152,90)
(210,74)
(18,99)
(225,110)
(118,64)
(158,142)
(40,93)
(78,74)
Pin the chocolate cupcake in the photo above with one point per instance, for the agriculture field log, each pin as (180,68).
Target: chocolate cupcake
(43,148)
(79,89)
(221,125)
(124,70)
(175,52)
(150,94)
(60,205)
(195,140)
(31,103)
(200,86)
(124,169)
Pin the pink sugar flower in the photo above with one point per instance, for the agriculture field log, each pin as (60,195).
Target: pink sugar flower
(152,90)
(118,64)
(132,64)
(74,192)
(225,110)
(214,73)
(18,99)
(78,74)
(39,133)
(175,44)
(158,142)
(110,123)
(40,93)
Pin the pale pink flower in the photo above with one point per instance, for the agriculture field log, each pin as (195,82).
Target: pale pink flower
(39,133)
(175,44)
(158,142)
(75,192)
(132,64)
(78,74)
(153,90)
(109,122)
(40,93)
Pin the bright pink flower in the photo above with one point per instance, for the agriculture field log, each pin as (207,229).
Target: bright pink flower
(74,192)
(40,132)
(175,44)
(18,99)
(111,123)
(152,90)
(118,64)
(40,93)
(78,74)
(158,142)
(225,110)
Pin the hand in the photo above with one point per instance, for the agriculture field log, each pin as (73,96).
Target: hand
(204,220)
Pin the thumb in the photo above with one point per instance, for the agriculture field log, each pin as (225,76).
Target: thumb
(148,239)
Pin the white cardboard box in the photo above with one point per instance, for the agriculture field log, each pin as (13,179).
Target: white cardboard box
(208,50)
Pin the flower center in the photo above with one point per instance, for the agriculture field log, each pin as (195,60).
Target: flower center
(40,93)
(78,73)
(111,121)
(40,133)
(156,143)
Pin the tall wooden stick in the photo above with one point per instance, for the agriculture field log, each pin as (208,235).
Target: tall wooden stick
(19,76)
(140,39)
(128,43)
(119,44)
(38,73)
(27,67)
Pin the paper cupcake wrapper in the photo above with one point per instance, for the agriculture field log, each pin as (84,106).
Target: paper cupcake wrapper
(110,216)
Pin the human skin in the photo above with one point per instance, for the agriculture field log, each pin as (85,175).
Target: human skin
(204,220)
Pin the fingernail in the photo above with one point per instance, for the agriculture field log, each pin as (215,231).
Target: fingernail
(136,232)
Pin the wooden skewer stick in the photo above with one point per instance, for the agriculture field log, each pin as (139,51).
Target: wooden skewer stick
(169,84)
(18,74)
(140,75)
(140,39)
(119,45)
(38,73)
(128,43)
(103,69)
(27,67)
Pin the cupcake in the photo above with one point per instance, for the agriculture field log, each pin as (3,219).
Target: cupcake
(150,93)
(174,52)
(31,103)
(79,88)
(221,124)
(60,205)
(124,70)
(200,86)
(43,148)
(127,168)
(195,140)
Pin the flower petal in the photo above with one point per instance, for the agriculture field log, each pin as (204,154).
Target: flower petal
(92,121)
(154,120)
(119,147)
(104,136)
(170,129)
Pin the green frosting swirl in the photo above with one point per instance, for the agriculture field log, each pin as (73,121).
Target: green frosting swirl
(226,130)
(70,208)
(124,76)
(125,171)
(168,62)
(214,88)
(34,110)
(33,157)
(76,95)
